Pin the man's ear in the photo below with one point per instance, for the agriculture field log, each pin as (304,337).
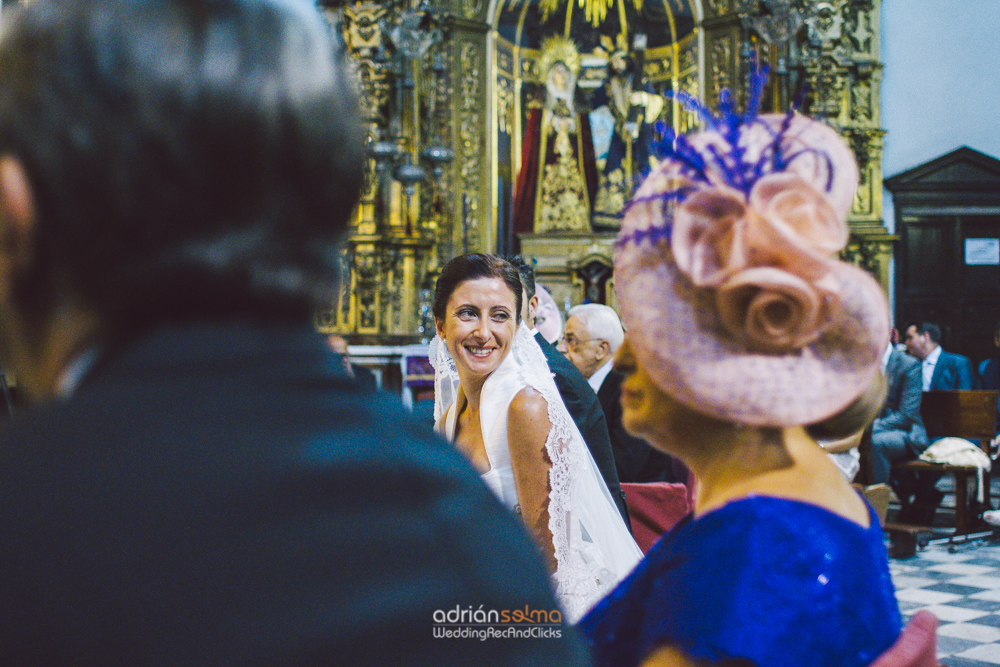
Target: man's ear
(17,220)
(533,307)
(603,350)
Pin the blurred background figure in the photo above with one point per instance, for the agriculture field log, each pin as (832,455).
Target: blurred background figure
(940,369)
(989,378)
(197,480)
(989,369)
(364,376)
(898,433)
(548,319)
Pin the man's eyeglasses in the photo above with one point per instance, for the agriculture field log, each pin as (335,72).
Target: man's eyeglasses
(573,341)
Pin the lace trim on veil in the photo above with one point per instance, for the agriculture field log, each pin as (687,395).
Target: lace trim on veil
(581,577)
(584,572)
(445,377)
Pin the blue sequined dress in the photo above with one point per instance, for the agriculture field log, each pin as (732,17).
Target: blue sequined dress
(775,581)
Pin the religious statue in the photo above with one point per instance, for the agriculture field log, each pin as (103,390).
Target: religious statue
(626,107)
(558,178)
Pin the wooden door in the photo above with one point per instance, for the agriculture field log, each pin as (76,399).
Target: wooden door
(948,257)
(940,278)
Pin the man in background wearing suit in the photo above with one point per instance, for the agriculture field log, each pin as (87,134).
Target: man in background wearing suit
(898,433)
(940,370)
(593,335)
(580,399)
(199,482)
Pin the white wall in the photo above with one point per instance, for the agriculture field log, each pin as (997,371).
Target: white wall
(941,81)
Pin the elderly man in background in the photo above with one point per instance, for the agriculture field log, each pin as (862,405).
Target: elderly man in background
(200,482)
(593,335)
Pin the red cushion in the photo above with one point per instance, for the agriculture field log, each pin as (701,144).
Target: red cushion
(654,508)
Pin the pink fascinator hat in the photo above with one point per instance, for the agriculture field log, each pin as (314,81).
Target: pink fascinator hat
(728,277)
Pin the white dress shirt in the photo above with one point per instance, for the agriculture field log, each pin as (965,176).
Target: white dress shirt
(928,366)
(597,379)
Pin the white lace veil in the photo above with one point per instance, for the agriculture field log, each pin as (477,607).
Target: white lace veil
(445,377)
(593,548)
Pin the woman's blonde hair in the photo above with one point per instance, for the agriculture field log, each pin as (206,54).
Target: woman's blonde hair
(856,416)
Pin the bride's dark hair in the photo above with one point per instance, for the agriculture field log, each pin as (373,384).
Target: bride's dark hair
(473,267)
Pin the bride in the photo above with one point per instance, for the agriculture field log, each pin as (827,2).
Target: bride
(495,398)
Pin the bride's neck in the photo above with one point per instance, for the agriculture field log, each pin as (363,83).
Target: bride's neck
(472,389)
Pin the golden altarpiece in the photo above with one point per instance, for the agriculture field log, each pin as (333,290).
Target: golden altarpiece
(449,89)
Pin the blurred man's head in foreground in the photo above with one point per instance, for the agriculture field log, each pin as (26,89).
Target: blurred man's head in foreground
(170,160)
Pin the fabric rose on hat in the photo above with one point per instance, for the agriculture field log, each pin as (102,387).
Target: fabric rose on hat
(792,225)
(768,256)
(707,239)
(774,311)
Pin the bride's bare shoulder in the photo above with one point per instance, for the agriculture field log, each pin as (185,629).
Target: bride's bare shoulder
(527,418)
(528,403)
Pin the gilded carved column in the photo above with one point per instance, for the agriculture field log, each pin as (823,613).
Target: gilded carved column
(723,41)
(473,224)
(828,49)
(840,59)
(400,52)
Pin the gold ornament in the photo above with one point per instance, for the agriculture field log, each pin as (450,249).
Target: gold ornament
(596,11)
(559,50)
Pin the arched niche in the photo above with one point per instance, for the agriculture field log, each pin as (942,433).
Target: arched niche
(662,37)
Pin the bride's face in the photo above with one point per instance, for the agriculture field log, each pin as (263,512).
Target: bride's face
(479,325)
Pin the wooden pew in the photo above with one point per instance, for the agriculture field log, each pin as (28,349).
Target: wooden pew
(962,414)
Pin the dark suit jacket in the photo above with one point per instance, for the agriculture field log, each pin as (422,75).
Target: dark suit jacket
(636,461)
(364,376)
(989,378)
(584,408)
(952,371)
(901,412)
(226,495)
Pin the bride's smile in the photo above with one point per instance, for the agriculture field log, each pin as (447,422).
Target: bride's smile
(479,325)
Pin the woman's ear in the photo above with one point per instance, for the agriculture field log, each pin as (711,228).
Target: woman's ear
(439,326)
(17,221)
(15,190)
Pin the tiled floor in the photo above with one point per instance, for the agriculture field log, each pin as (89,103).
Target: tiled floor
(961,585)
(963,591)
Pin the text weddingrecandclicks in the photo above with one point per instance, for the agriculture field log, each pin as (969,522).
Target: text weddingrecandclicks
(483,624)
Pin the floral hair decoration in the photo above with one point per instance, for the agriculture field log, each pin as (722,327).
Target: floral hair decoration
(749,216)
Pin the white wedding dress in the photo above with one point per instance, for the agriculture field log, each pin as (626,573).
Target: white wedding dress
(593,548)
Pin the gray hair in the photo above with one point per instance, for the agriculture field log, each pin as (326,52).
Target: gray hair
(188,158)
(601,321)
